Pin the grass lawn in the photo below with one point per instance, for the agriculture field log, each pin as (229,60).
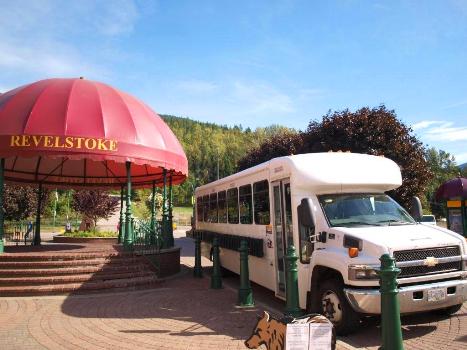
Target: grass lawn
(91,234)
(183,211)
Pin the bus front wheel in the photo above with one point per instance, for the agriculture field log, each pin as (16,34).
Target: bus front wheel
(334,305)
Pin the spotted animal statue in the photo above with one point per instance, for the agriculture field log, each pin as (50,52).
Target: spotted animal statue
(271,332)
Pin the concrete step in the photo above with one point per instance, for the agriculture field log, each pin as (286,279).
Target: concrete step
(74,278)
(94,269)
(64,256)
(83,287)
(67,263)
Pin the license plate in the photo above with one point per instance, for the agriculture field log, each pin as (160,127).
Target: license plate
(436,294)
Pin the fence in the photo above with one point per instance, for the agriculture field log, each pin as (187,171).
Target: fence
(21,232)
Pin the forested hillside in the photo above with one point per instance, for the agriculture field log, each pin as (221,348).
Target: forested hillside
(210,147)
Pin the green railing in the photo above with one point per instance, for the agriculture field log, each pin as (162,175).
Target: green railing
(146,240)
(18,232)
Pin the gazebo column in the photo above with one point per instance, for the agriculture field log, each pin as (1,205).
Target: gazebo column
(165,235)
(171,228)
(37,236)
(2,191)
(128,240)
(121,223)
(153,213)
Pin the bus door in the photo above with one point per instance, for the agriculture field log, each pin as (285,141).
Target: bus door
(283,229)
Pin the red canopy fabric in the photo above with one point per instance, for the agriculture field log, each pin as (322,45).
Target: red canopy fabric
(453,188)
(80,133)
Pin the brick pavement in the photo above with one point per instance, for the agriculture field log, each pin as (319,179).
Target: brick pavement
(181,313)
(423,331)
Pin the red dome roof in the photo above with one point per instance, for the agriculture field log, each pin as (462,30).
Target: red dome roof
(452,188)
(77,132)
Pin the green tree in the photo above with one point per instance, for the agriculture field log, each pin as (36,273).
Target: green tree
(20,202)
(210,147)
(443,167)
(375,131)
(95,204)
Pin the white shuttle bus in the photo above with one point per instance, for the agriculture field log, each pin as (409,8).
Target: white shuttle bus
(333,208)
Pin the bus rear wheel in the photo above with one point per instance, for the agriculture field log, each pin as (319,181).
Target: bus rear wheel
(334,305)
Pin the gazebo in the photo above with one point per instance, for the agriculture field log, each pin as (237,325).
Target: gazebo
(454,193)
(78,133)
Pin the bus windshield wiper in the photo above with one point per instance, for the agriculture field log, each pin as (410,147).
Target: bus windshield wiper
(395,221)
(360,223)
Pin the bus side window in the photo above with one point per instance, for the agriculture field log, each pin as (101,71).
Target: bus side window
(246,209)
(199,208)
(261,202)
(206,208)
(232,205)
(222,208)
(213,207)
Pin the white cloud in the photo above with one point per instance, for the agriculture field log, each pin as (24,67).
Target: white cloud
(4,89)
(461,158)
(424,124)
(442,131)
(447,132)
(50,38)
(261,98)
(54,17)
(117,18)
(457,104)
(48,59)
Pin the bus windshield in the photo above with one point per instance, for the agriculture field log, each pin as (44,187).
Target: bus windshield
(363,209)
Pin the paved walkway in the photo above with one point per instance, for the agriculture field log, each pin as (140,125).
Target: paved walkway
(181,313)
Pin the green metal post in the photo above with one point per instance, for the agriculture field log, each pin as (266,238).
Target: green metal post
(390,311)
(216,279)
(128,240)
(165,241)
(2,171)
(292,306)
(153,214)
(245,293)
(198,269)
(170,233)
(37,236)
(121,228)
(55,207)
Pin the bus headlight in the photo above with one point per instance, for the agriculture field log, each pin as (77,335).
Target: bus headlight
(362,272)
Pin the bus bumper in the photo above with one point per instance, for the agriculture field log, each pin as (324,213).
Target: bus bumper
(411,299)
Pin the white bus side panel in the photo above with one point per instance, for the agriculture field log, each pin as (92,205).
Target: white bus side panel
(261,270)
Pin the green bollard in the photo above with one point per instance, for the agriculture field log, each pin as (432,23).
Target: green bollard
(198,269)
(216,279)
(390,311)
(245,293)
(2,196)
(292,306)
(128,233)
(121,225)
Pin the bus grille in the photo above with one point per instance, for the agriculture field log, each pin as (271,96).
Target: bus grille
(421,254)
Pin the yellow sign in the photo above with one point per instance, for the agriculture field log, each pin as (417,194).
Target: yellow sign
(44,141)
(454,204)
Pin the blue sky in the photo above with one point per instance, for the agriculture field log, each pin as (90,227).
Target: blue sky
(255,63)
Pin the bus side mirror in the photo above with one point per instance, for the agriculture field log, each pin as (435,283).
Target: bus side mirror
(305,213)
(416,211)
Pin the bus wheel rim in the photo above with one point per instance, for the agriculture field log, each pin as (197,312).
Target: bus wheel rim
(331,306)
